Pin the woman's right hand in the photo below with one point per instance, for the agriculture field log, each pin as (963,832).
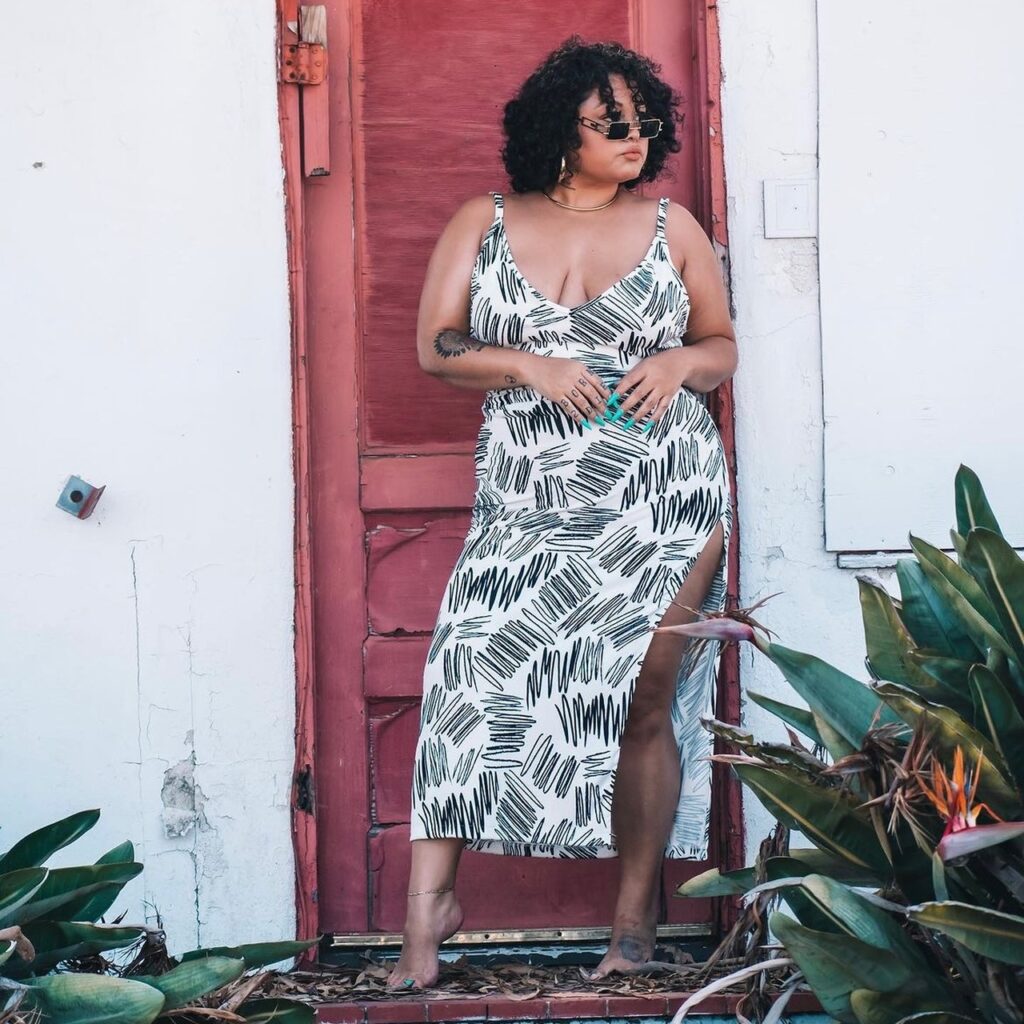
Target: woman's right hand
(570,385)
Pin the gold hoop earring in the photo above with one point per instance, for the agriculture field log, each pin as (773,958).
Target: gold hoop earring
(564,175)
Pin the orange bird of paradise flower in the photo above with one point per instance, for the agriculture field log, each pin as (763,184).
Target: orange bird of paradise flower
(954,797)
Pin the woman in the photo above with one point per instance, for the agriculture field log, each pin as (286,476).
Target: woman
(554,721)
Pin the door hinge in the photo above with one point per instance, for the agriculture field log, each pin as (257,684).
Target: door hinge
(305,800)
(303,63)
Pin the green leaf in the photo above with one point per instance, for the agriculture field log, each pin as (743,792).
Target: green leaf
(1000,571)
(889,1007)
(940,886)
(714,882)
(92,999)
(277,1011)
(255,954)
(845,703)
(887,640)
(800,718)
(991,933)
(833,742)
(996,715)
(18,887)
(836,965)
(972,506)
(937,1017)
(828,817)
(62,885)
(94,905)
(187,982)
(949,681)
(932,621)
(6,949)
(860,918)
(56,941)
(962,592)
(38,846)
(799,902)
(948,731)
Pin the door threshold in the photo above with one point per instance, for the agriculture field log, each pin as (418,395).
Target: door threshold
(511,936)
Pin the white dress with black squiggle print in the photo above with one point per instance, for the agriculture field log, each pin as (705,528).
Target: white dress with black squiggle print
(578,542)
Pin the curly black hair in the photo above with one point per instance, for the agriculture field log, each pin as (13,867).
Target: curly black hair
(540,121)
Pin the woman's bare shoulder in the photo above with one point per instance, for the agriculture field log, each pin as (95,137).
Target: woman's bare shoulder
(472,218)
(684,232)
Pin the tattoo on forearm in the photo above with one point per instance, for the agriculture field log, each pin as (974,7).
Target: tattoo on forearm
(454,343)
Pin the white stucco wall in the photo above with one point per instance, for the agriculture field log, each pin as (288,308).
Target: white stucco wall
(146,652)
(769,57)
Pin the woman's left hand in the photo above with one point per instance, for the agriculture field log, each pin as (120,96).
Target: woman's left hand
(654,381)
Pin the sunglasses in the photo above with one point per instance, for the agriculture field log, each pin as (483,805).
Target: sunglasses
(619,130)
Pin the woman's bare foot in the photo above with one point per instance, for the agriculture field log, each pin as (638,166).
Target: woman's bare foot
(430,919)
(630,949)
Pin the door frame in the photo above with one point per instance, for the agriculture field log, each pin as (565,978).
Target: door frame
(322,721)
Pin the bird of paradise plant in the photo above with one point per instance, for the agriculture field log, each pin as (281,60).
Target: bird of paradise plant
(906,907)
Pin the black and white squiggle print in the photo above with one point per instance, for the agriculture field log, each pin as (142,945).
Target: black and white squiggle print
(579,540)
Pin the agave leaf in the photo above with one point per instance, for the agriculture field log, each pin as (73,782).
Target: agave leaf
(255,954)
(948,731)
(997,716)
(949,681)
(187,982)
(93,999)
(94,905)
(932,621)
(845,703)
(887,640)
(277,1011)
(981,837)
(963,593)
(37,847)
(890,1007)
(991,933)
(800,718)
(62,885)
(827,817)
(18,887)
(836,965)
(1000,571)
(972,506)
(56,941)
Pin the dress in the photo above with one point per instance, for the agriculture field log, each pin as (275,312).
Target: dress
(578,542)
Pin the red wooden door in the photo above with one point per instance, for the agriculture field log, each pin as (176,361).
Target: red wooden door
(415,97)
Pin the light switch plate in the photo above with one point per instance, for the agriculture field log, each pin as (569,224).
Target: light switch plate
(790,207)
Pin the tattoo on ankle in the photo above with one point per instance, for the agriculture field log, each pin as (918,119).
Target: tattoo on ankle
(633,949)
(450,342)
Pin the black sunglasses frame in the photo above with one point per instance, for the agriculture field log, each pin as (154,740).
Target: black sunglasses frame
(622,128)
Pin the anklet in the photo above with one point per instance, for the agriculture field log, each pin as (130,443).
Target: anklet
(423,892)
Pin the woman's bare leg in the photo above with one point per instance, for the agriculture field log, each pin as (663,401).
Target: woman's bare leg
(429,918)
(647,780)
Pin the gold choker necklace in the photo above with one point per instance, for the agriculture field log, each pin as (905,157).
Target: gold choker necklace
(582,209)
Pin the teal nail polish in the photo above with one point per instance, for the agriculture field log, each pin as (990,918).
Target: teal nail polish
(600,417)
(586,423)
(618,413)
(613,399)
(647,426)
(628,423)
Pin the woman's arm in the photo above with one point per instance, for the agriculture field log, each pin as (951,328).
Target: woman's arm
(443,343)
(710,354)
